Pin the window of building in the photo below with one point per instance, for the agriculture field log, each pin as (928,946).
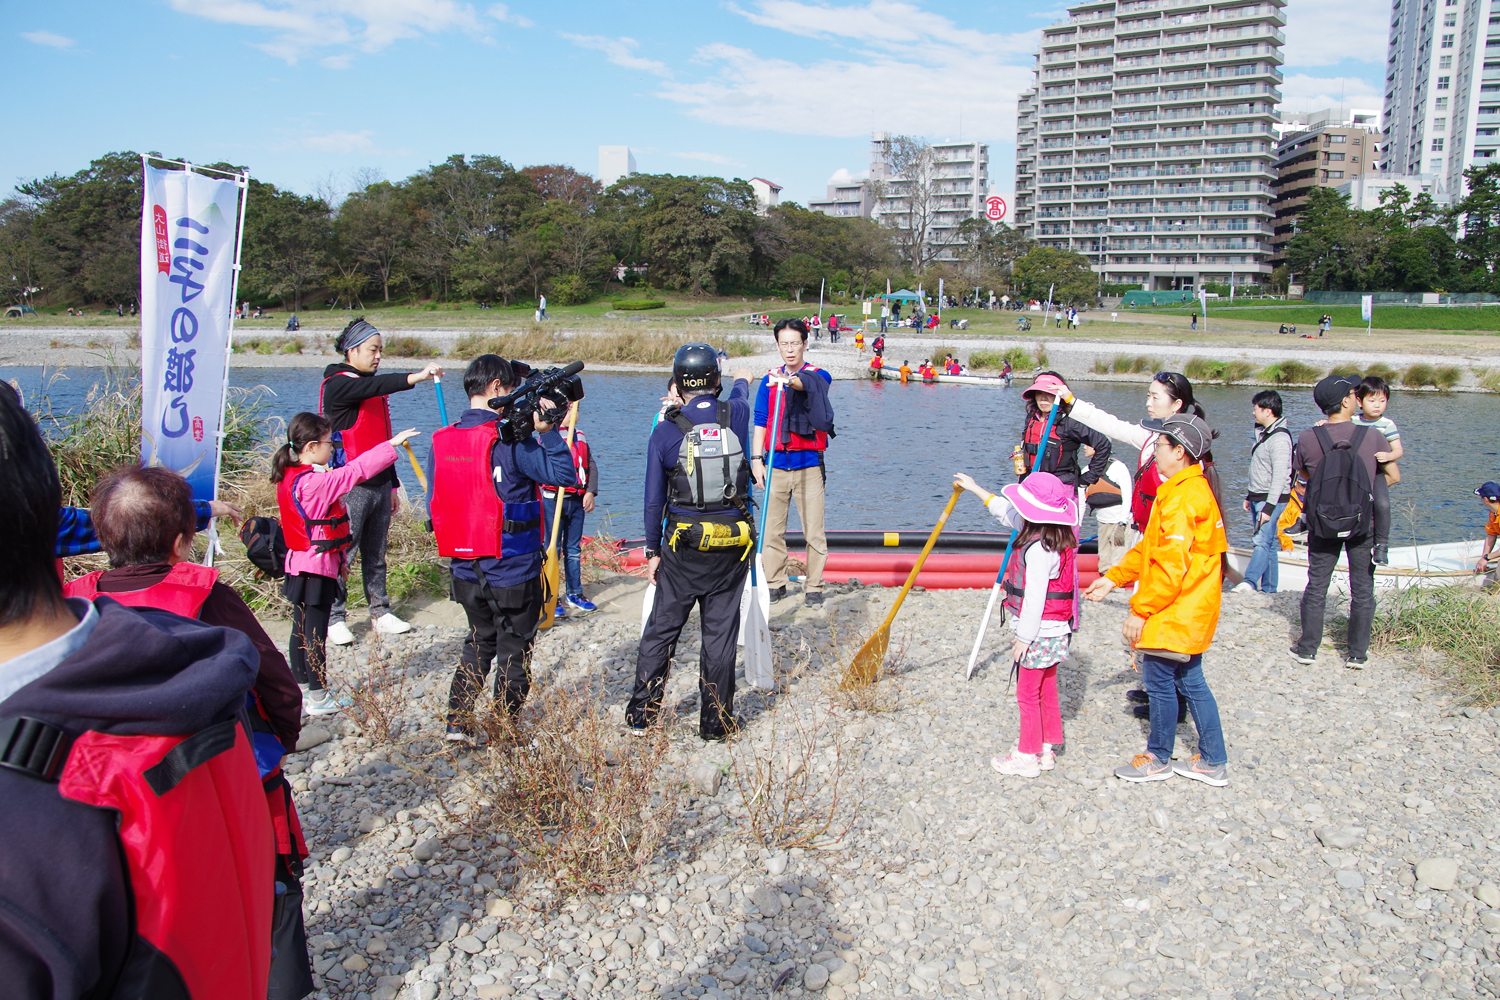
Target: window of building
(1437,145)
(1443,82)
(1339,138)
(1435,165)
(1447,42)
(1439,124)
(1449,20)
(1334,174)
(1445,62)
(1441,104)
(1334,157)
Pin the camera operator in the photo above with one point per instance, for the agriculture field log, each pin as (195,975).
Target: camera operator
(486,507)
(697,487)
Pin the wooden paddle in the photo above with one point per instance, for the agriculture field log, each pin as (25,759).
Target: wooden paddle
(866,663)
(551,565)
(415,466)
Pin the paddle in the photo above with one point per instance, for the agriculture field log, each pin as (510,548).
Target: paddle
(551,566)
(415,467)
(984,623)
(437,383)
(755,623)
(866,662)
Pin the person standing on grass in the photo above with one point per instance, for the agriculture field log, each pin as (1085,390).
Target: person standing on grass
(356,400)
(1178,573)
(1269,491)
(486,509)
(1338,459)
(798,392)
(578,502)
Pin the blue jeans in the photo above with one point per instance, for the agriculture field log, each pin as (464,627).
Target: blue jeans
(1165,679)
(570,542)
(1265,564)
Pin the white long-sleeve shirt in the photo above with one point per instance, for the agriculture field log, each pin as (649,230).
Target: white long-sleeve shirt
(1119,513)
(1041,567)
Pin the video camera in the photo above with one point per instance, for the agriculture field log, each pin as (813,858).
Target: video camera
(560,385)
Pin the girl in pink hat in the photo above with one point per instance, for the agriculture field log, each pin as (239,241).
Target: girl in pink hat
(1041,592)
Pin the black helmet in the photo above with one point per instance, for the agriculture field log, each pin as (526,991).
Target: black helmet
(695,367)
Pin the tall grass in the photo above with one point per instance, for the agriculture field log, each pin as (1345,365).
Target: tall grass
(629,347)
(995,360)
(1290,372)
(1460,622)
(1209,370)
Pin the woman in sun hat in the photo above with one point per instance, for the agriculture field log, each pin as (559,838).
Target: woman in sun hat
(1041,592)
(1067,437)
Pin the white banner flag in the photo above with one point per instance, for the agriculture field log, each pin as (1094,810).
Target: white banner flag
(189,241)
(1366,307)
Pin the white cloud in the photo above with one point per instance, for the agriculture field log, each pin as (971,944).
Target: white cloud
(49,39)
(718,158)
(342,142)
(843,176)
(1301,92)
(503,14)
(1326,32)
(302,27)
(620,51)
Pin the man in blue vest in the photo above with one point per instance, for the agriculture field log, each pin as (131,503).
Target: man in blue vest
(486,508)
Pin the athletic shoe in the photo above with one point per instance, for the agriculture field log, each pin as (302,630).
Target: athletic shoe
(1194,768)
(578,603)
(730,731)
(777,593)
(1381,556)
(1304,660)
(636,730)
(389,624)
(814,598)
(463,734)
(1357,663)
(1144,767)
(339,634)
(561,610)
(1137,696)
(1297,527)
(1022,765)
(1243,587)
(304,688)
(1048,759)
(324,703)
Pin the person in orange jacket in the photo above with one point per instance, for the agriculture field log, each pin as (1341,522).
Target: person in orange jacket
(1178,573)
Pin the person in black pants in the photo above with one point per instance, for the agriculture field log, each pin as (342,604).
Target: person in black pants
(698,541)
(486,508)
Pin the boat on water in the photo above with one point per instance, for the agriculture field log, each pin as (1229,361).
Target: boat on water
(990,381)
(1443,564)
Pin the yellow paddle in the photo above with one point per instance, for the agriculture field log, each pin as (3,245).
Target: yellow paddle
(551,566)
(866,663)
(415,465)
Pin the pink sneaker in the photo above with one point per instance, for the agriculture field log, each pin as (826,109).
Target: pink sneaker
(1022,765)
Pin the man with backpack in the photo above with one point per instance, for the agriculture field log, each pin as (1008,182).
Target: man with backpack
(1337,458)
(699,539)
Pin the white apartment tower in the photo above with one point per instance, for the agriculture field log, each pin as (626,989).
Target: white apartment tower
(1442,98)
(1148,143)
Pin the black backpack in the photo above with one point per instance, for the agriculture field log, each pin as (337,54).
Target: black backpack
(1340,503)
(265,546)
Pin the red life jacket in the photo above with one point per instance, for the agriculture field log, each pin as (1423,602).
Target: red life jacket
(468,519)
(182,591)
(580,449)
(1053,458)
(371,426)
(1148,480)
(1062,590)
(786,440)
(297,527)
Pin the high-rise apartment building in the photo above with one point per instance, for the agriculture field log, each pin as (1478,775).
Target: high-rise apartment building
(1326,149)
(954,189)
(1442,97)
(1148,141)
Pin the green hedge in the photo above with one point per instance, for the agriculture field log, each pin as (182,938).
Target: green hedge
(641,304)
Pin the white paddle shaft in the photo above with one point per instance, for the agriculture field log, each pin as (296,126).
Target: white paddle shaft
(984,624)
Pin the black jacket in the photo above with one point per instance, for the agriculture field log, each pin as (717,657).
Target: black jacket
(1073,435)
(64,897)
(341,398)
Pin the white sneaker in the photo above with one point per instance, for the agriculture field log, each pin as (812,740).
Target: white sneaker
(1048,759)
(324,703)
(1243,587)
(389,624)
(339,634)
(1023,765)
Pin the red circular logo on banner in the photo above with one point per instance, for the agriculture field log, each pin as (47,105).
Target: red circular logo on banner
(197,428)
(994,208)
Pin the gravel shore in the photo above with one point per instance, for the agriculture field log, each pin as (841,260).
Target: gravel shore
(1353,854)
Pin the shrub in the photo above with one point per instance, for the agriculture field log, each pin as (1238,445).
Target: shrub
(1384,371)
(741,347)
(1142,363)
(1238,371)
(1418,375)
(1019,358)
(1448,376)
(1489,378)
(1101,367)
(1458,621)
(402,345)
(1290,373)
(570,290)
(1347,370)
(1121,364)
(629,304)
(987,360)
(1203,370)
(1041,355)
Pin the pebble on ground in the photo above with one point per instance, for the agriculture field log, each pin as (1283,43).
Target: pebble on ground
(1353,853)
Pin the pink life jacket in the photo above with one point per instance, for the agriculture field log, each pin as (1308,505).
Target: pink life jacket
(1062,590)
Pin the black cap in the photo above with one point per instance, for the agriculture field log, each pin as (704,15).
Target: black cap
(1187,429)
(1331,391)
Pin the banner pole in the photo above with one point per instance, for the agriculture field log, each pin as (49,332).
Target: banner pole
(243,182)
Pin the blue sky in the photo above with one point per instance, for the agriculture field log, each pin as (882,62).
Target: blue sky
(312,94)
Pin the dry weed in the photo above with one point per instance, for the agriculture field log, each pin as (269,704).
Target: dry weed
(376,692)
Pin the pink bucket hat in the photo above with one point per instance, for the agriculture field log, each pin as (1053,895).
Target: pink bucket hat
(1043,499)
(1045,383)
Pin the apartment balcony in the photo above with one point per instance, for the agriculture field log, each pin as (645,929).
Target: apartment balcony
(1096,86)
(1059,74)
(1136,62)
(1092,141)
(1137,44)
(1248,32)
(1057,143)
(1194,58)
(1263,12)
(1183,39)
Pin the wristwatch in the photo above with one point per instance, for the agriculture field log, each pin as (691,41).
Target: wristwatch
(651,554)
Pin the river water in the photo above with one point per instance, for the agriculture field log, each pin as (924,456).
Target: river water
(891,465)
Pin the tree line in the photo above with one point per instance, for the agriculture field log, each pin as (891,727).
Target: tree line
(1408,244)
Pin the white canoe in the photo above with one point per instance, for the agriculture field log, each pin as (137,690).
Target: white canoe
(991,381)
(1442,564)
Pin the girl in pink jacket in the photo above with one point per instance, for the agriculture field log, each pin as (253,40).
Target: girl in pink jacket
(316,527)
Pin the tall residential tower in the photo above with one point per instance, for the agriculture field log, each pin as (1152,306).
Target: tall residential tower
(1148,142)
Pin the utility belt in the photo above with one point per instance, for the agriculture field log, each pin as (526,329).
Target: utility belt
(712,536)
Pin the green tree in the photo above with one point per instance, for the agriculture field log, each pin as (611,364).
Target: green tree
(798,273)
(1041,268)
(989,250)
(88,230)
(22,255)
(1478,215)
(693,233)
(375,225)
(467,209)
(288,238)
(1336,248)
